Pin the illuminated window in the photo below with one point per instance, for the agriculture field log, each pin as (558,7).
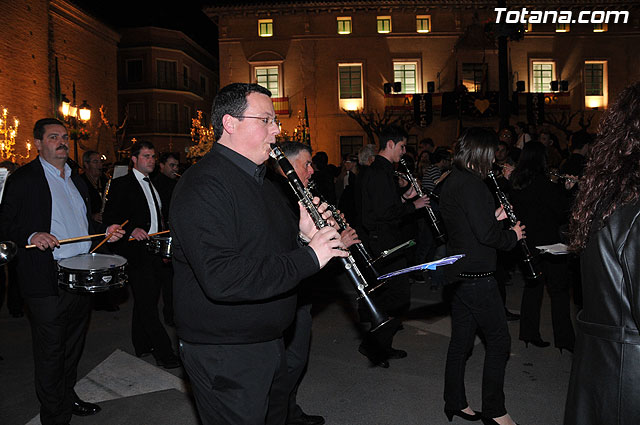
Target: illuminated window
(473,75)
(562,27)
(384,24)
(423,23)
(595,84)
(350,86)
(265,27)
(344,25)
(542,74)
(600,27)
(407,74)
(267,77)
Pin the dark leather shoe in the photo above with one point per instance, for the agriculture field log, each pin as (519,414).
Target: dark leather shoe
(375,358)
(305,419)
(144,353)
(84,408)
(170,362)
(396,354)
(511,316)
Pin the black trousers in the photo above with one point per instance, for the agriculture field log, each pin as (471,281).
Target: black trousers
(238,384)
(58,329)
(297,340)
(555,276)
(146,277)
(476,305)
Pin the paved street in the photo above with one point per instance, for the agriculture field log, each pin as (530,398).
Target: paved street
(339,383)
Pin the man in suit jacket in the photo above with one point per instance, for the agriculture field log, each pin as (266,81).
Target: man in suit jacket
(133,197)
(43,203)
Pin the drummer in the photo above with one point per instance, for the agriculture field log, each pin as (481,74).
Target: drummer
(44,202)
(133,197)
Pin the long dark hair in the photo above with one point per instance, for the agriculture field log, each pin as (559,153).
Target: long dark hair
(476,150)
(532,163)
(612,174)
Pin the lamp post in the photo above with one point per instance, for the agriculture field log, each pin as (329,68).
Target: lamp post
(75,117)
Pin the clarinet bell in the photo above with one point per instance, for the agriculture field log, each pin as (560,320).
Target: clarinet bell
(378,320)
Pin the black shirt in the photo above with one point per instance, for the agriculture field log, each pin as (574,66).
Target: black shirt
(468,212)
(236,258)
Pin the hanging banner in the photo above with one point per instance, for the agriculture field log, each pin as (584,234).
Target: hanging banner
(422,109)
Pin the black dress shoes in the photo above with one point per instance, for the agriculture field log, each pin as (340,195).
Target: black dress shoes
(169,362)
(83,408)
(375,358)
(396,354)
(538,342)
(511,316)
(305,419)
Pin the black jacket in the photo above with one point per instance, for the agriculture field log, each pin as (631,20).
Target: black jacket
(25,209)
(605,374)
(468,209)
(236,258)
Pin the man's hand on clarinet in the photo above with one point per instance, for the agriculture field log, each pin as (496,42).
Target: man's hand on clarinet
(307,226)
(326,244)
(519,229)
(349,237)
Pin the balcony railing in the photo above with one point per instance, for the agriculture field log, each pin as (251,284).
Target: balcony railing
(192,87)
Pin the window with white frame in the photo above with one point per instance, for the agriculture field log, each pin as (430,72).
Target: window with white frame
(268,77)
(407,73)
(423,23)
(384,24)
(350,144)
(542,74)
(350,86)
(596,84)
(265,27)
(344,24)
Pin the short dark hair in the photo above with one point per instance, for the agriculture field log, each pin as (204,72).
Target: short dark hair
(86,157)
(580,138)
(166,155)
(232,100)
(393,132)
(142,144)
(475,150)
(38,128)
(427,141)
(441,153)
(321,159)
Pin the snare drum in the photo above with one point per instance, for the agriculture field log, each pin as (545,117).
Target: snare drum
(160,245)
(92,272)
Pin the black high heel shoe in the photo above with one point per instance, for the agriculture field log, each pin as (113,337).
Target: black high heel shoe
(539,342)
(467,417)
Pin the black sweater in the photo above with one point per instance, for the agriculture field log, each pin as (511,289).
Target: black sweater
(468,212)
(236,258)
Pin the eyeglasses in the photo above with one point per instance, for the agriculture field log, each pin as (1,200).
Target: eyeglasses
(265,120)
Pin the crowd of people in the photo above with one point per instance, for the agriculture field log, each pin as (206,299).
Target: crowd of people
(246,255)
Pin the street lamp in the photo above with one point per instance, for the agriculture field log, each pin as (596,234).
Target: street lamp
(75,117)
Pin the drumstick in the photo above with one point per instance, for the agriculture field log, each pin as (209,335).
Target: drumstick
(77,238)
(108,237)
(152,234)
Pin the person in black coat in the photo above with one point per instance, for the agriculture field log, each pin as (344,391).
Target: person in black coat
(133,197)
(238,258)
(384,207)
(544,207)
(43,203)
(474,230)
(605,229)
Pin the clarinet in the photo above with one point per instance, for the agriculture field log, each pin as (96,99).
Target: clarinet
(435,223)
(530,271)
(104,195)
(349,263)
(342,225)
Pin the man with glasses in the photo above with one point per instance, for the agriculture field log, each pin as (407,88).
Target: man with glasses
(238,259)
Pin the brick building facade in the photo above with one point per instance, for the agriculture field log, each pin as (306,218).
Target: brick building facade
(35,33)
(341,54)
